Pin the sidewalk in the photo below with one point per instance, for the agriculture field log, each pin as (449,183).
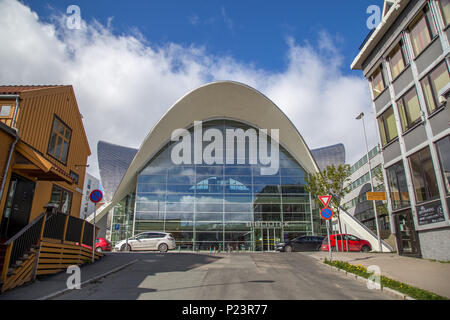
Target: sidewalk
(428,275)
(57,282)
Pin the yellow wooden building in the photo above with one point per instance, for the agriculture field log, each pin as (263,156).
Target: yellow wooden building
(43,154)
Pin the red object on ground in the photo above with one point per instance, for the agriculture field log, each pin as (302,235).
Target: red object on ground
(102,243)
(354,243)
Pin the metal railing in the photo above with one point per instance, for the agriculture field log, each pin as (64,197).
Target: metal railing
(48,225)
(23,241)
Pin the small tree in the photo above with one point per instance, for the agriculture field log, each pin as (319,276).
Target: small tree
(330,180)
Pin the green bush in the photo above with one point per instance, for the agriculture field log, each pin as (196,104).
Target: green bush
(360,270)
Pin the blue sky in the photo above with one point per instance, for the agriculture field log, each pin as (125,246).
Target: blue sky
(252,32)
(130,61)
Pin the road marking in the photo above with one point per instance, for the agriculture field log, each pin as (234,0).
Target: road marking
(60,292)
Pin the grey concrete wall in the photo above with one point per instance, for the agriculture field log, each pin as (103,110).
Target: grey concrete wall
(415,137)
(382,100)
(403,80)
(429,55)
(391,151)
(439,121)
(435,244)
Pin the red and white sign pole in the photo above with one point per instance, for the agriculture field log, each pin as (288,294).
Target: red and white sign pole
(327,214)
(96,196)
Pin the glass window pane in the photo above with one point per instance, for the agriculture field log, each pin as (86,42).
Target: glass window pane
(396,61)
(429,96)
(420,36)
(445,8)
(377,82)
(412,107)
(424,179)
(443,149)
(5,111)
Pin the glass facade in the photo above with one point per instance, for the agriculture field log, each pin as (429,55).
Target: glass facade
(225,206)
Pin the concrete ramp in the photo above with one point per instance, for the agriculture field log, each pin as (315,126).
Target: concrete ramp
(351,225)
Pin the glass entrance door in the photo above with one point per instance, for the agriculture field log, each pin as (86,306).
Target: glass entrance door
(406,234)
(267,238)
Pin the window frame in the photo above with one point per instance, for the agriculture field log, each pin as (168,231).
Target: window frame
(401,105)
(379,68)
(64,139)
(434,92)
(429,196)
(444,18)
(392,174)
(10,111)
(62,190)
(400,45)
(445,179)
(381,116)
(424,14)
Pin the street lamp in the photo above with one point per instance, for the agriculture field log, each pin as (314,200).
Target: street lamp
(359,117)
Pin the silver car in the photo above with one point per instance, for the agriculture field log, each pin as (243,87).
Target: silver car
(160,241)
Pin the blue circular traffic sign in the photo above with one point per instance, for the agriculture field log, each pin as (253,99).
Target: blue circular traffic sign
(96,196)
(326,213)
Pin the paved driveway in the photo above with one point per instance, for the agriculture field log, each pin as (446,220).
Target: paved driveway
(197,276)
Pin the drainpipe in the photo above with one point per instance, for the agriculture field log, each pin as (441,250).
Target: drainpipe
(11,150)
(5,175)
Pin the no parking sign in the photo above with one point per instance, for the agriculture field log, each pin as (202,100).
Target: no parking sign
(96,196)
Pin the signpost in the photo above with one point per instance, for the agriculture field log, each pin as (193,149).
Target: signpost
(377,196)
(96,196)
(326,214)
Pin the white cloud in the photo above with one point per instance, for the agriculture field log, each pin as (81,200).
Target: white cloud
(124,84)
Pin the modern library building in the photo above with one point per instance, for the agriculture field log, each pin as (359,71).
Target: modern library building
(223,168)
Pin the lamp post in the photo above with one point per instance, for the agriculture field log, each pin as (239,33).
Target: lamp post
(361,117)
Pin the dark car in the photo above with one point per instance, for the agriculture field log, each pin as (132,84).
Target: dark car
(303,243)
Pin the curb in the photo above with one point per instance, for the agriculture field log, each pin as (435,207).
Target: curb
(57,293)
(385,289)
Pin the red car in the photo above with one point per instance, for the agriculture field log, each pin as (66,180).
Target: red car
(101,244)
(354,243)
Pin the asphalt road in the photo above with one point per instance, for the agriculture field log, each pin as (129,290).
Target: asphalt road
(253,276)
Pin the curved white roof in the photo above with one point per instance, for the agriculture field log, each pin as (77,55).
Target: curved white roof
(217,100)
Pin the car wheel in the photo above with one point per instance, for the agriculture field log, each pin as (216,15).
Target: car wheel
(163,247)
(365,248)
(99,249)
(125,247)
(288,249)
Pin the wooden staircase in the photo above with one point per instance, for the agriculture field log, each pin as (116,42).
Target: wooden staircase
(49,244)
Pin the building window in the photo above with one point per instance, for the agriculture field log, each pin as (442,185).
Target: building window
(443,150)
(386,124)
(398,188)
(377,81)
(397,60)
(433,82)
(58,146)
(74,176)
(63,198)
(409,109)
(424,179)
(422,31)
(5,111)
(445,8)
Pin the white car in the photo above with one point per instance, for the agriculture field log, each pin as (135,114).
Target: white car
(160,241)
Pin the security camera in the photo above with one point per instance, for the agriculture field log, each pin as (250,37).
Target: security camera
(442,99)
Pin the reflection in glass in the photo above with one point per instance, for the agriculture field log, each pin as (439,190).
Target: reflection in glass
(225,206)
